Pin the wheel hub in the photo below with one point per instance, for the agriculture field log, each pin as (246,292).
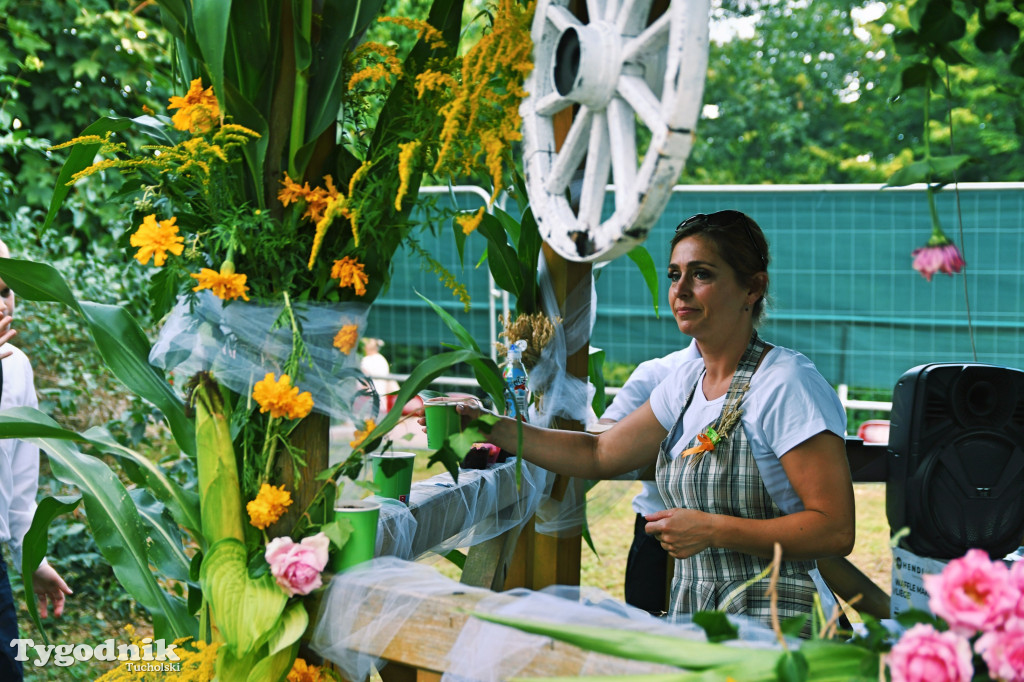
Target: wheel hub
(587,63)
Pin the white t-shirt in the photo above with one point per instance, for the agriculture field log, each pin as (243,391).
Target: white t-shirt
(19,461)
(788,402)
(635,393)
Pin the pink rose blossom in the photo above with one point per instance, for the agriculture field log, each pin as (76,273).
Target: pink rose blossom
(939,258)
(1003,651)
(297,566)
(924,654)
(1017,582)
(972,593)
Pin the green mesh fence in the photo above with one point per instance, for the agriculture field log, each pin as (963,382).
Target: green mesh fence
(843,289)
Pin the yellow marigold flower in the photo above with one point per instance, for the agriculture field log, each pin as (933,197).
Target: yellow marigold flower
(346,338)
(470,221)
(406,155)
(269,505)
(280,398)
(154,239)
(198,109)
(350,273)
(304,672)
(359,436)
(225,285)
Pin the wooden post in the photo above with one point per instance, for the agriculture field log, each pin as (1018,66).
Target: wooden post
(312,437)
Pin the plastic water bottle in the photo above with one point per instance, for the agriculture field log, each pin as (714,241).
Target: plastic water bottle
(517,391)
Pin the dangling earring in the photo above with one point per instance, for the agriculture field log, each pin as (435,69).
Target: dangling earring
(746,309)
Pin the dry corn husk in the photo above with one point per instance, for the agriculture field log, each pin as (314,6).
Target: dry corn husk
(537,329)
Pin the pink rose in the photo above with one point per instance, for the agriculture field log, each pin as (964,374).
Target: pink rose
(297,566)
(1003,651)
(972,593)
(924,654)
(1017,582)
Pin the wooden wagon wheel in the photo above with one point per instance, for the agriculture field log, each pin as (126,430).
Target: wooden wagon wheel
(637,85)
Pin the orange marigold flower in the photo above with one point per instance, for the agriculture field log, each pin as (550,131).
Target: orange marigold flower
(350,273)
(280,398)
(269,505)
(198,109)
(292,192)
(304,672)
(359,436)
(346,338)
(470,221)
(154,239)
(225,285)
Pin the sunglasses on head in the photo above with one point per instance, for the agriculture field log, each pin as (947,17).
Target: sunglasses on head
(724,219)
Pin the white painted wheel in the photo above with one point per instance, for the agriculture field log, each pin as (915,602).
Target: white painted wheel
(638,86)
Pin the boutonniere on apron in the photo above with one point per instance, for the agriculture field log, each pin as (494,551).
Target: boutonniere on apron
(712,436)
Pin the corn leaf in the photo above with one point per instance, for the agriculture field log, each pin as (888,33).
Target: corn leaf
(34,547)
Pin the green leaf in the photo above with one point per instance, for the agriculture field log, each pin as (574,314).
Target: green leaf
(792,667)
(501,257)
(119,532)
(119,339)
(246,610)
(80,158)
(273,667)
(940,24)
(338,531)
(640,646)
(464,337)
(34,547)
(292,625)
(595,370)
(910,174)
(716,626)
(210,23)
(166,551)
(642,258)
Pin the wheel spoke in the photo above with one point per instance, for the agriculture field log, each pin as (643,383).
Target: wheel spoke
(562,18)
(631,15)
(652,39)
(551,103)
(595,176)
(622,136)
(635,91)
(595,10)
(571,154)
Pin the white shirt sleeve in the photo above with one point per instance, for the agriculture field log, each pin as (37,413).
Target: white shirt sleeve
(642,382)
(19,461)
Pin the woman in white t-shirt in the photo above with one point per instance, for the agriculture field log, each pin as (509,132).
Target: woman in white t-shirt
(748,438)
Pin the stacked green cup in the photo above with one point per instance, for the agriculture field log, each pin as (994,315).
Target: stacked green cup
(362,543)
(442,420)
(392,474)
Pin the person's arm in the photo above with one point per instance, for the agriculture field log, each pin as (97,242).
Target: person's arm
(854,587)
(820,475)
(628,445)
(49,587)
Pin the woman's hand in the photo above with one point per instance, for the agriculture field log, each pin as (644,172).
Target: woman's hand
(681,532)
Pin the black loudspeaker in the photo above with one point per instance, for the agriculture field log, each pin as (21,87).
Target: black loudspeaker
(956,459)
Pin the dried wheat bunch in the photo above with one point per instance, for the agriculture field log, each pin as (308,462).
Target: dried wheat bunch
(536,329)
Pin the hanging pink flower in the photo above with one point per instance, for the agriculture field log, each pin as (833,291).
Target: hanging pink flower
(938,255)
(297,565)
(1017,582)
(924,654)
(972,593)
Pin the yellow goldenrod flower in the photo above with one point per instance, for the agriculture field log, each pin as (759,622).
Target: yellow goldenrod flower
(433,80)
(280,398)
(406,155)
(359,436)
(154,239)
(269,505)
(346,338)
(350,273)
(424,30)
(470,221)
(196,660)
(198,109)
(225,285)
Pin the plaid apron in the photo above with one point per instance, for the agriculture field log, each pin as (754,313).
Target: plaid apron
(727,481)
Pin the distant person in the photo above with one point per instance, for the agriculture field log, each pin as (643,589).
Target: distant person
(19,485)
(376,367)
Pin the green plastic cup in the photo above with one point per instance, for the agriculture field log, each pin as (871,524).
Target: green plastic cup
(392,474)
(363,515)
(442,420)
